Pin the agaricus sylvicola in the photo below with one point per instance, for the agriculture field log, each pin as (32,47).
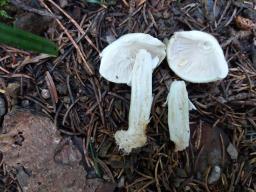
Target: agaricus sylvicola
(131,59)
(196,57)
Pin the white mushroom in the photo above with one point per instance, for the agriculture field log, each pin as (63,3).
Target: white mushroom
(131,60)
(178,115)
(141,101)
(196,57)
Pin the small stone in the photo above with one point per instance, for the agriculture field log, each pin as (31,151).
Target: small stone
(214,175)
(110,38)
(120,183)
(221,100)
(232,151)
(25,103)
(45,93)
(2,106)
(63,3)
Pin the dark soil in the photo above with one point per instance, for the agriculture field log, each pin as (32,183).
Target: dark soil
(89,109)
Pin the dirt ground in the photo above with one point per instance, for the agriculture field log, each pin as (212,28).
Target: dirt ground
(87,109)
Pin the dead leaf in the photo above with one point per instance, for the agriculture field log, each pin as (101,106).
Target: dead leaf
(29,60)
(52,88)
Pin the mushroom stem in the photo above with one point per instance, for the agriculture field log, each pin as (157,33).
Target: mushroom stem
(141,101)
(178,115)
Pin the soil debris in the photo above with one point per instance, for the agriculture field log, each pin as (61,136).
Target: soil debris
(86,106)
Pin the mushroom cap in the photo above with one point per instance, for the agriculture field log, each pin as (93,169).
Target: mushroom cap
(196,57)
(117,59)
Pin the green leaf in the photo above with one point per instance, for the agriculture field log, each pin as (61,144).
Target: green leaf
(4,14)
(3,2)
(18,38)
(94,158)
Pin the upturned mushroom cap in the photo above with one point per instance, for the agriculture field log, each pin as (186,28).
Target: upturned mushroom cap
(117,59)
(196,57)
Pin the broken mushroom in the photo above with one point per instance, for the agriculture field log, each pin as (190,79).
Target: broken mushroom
(196,57)
(178,115)
(131,59)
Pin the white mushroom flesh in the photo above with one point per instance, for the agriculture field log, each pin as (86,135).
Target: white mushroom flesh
(178,115)
(118,57)
(196,57)
(141,101)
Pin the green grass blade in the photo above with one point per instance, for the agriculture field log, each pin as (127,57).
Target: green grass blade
(18,38)
(94,158)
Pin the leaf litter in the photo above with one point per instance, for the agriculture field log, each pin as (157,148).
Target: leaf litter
(85,107)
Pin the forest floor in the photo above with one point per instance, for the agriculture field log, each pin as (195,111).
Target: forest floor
(87,110)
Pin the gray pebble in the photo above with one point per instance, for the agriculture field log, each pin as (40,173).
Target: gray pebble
(232,151)
(214,175)
(2,106)
(45,93)
(25,103)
